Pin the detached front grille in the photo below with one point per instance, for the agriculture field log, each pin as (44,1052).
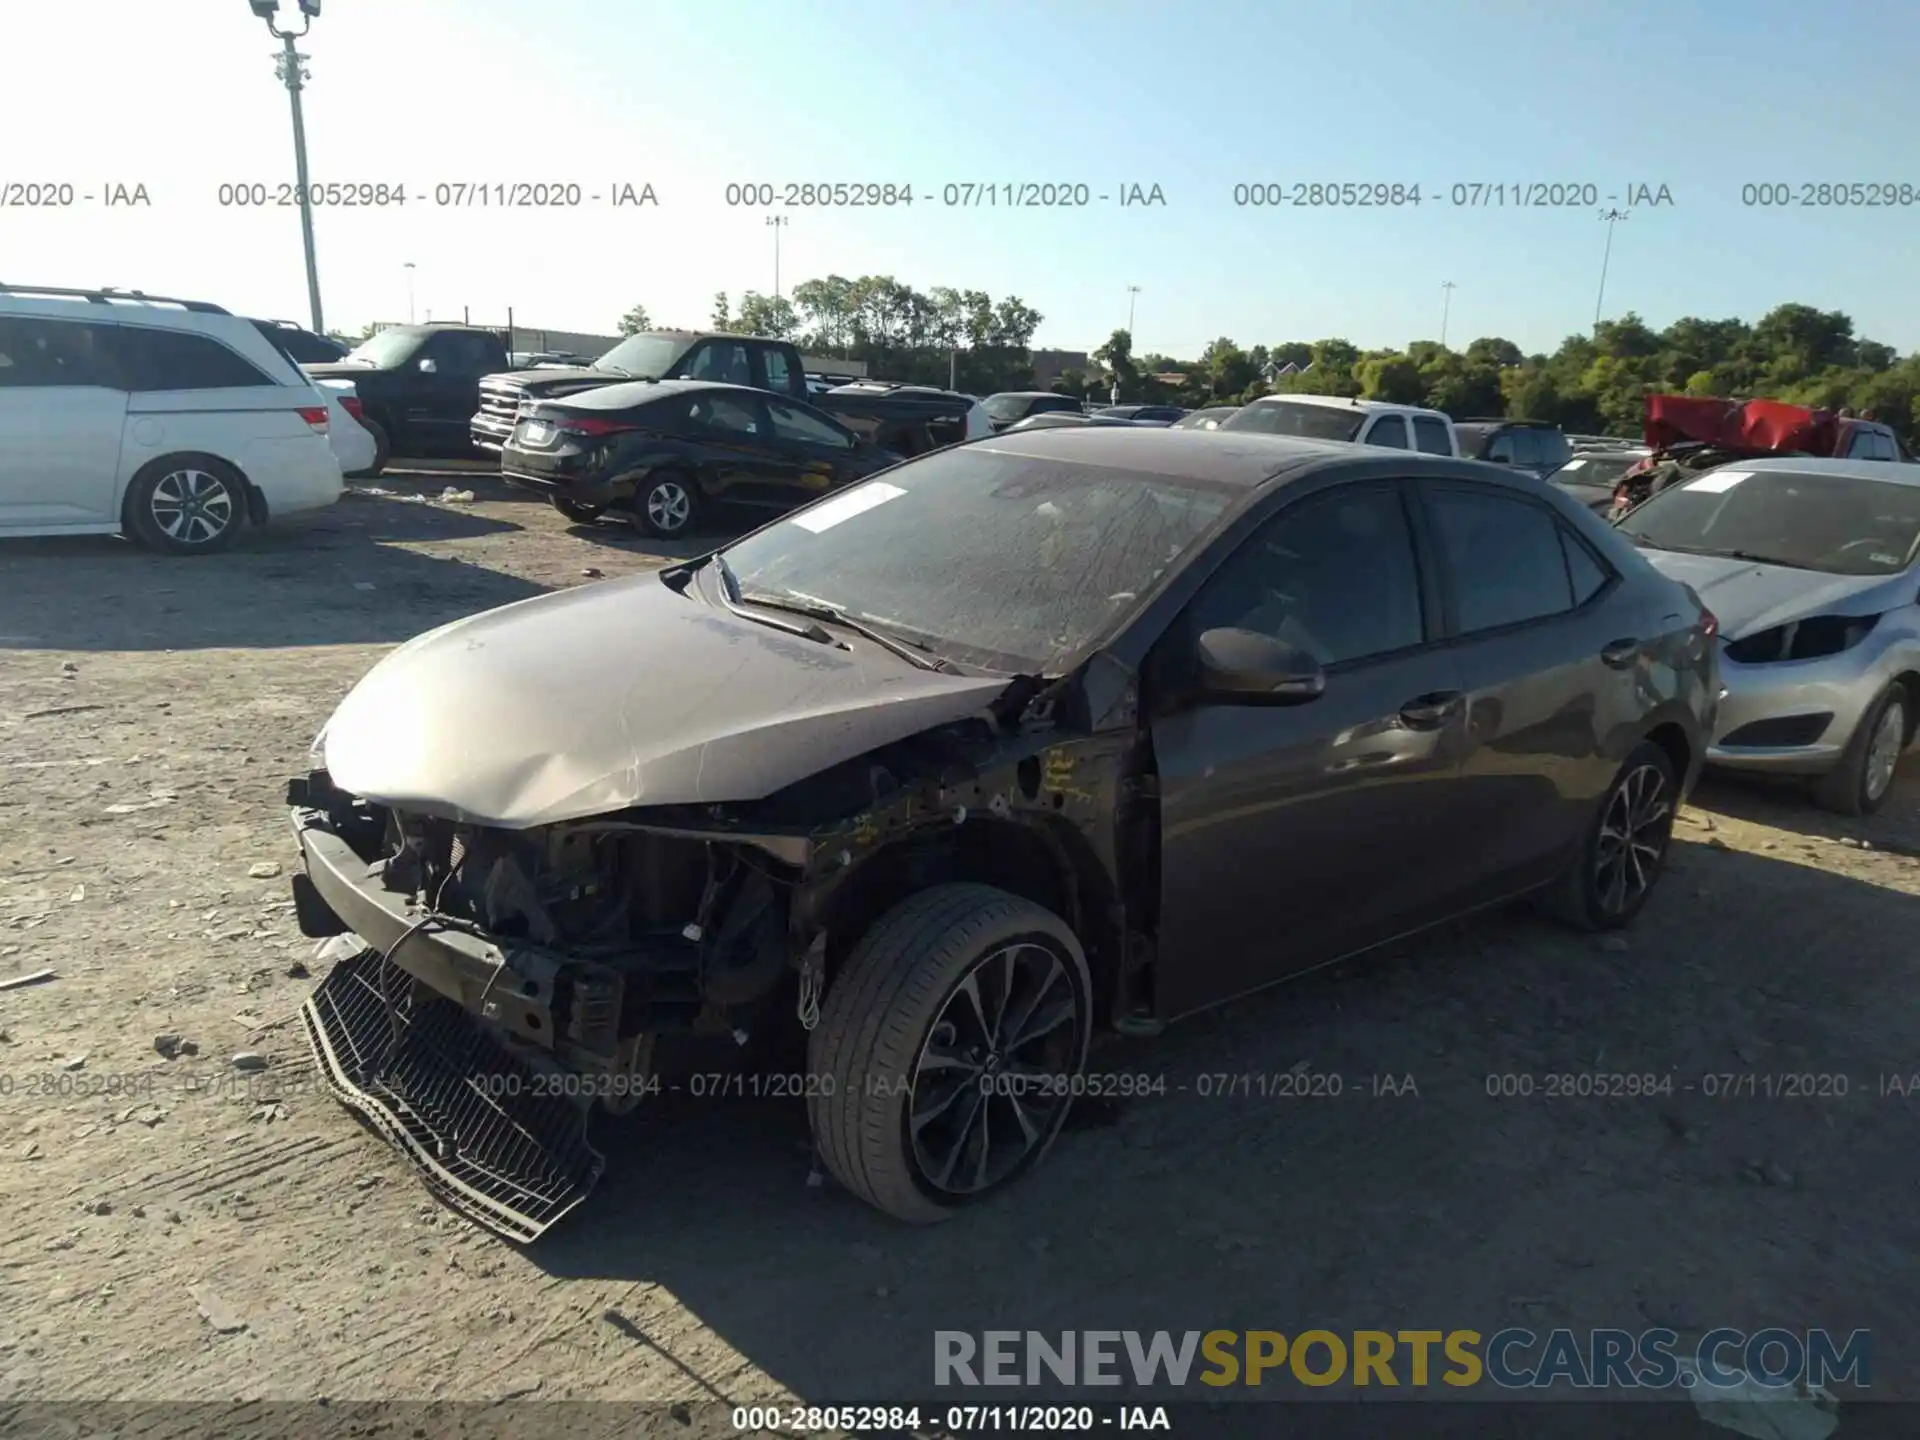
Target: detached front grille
(1786,730)
(494,1141)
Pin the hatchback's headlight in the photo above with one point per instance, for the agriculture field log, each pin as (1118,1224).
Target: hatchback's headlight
(1808,639)
(317,752)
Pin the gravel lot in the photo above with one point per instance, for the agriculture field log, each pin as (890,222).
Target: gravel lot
(180,1229)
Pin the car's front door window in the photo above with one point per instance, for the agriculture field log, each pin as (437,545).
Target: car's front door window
(1335,575)
(793,424)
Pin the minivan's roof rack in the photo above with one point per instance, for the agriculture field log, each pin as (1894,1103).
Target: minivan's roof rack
(107,295)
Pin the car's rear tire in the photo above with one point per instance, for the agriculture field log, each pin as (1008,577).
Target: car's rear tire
(930,1008)
(1626,846)
(666,505)
(1862,781)
(576,512)
(185,505)
(382,451)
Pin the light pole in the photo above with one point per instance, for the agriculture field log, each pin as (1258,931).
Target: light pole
(409,269)
(1133,294)
(291,67)
(1612,217)
(775,222)
(1447,288)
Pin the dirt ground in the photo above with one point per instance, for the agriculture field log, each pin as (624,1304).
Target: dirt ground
(182,1229)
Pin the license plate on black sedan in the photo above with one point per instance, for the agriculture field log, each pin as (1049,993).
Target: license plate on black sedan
(535,433)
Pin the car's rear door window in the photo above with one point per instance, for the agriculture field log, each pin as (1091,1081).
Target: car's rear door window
(1430,436)
(45,354)
(1504,554)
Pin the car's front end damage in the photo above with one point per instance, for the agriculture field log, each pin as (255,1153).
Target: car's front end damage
(510,974)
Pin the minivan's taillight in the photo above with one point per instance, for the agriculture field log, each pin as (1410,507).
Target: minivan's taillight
(351,404)
(593,429)
(315,416)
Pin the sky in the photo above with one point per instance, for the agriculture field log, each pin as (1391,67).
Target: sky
(1698,98)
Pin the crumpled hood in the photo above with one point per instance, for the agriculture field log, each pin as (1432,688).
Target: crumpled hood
(617,694)
(1748,598)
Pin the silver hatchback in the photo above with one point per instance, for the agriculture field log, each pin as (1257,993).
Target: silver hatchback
(1813,568)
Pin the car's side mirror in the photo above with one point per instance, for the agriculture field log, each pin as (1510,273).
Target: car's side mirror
(429,366)
(1246,666)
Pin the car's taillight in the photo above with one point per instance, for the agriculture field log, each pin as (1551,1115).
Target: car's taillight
(594,429)
(351,404)
(316,416)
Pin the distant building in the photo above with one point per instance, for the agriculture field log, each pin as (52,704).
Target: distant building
(1050,365)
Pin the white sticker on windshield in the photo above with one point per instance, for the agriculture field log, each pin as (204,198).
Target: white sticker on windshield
(1574,465)
(854,502)
(1714,481)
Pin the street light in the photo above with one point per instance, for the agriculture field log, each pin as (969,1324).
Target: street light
(776,222)
(1133,294)
(290,66)
(1612,217)
(408,266)
(1446,307)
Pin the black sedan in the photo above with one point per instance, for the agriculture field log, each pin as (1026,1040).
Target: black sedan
(1047,732)
(664,452)
(1145,414)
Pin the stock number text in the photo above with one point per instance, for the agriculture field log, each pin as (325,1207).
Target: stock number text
(819,195)
(1850,195)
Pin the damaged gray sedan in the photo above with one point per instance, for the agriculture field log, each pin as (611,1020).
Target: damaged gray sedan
(1030,737)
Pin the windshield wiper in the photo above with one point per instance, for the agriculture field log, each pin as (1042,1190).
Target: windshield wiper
(911,651)
(730,597)
(1764,559)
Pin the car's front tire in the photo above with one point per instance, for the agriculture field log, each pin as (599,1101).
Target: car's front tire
(666,505)
(947,1050)
(1862,781)
(1626,845)
(185,505)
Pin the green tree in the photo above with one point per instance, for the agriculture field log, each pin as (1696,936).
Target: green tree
(1117,356)
(769,315)
(722,317)
(635,320)
(1393,378)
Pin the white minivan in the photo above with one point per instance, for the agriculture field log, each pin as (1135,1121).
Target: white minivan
(170,421)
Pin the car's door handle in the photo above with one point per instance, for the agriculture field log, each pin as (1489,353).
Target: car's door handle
(1620,654)
(1431,711)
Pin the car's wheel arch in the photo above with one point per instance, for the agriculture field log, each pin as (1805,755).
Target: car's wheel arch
(1043,861)
(1672,739)
(1909,681)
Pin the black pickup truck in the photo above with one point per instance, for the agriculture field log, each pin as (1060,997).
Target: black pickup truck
(907,420)
(419,385)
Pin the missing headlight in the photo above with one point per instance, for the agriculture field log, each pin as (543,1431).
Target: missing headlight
(1809,639)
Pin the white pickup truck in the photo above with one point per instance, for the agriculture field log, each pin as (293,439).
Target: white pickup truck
(1334,417)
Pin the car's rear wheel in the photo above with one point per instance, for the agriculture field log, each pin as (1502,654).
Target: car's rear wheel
(947,1050)
(186,505)
(382,450)
(1861,782)
(576,512)
(666,505)
(1626,846)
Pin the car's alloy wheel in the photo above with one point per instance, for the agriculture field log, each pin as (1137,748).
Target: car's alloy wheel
(1862,781)
(947,1050)
(994,1070)
(665,506)
(1625,848)
(186,505)
(1883,751)
(1634,830)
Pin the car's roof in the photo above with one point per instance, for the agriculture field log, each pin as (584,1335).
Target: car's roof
(640,392)
(1029,395)
(1891,471)
(1342,402)
(1216,457)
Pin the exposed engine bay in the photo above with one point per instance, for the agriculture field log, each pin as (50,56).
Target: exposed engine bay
(500,985)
